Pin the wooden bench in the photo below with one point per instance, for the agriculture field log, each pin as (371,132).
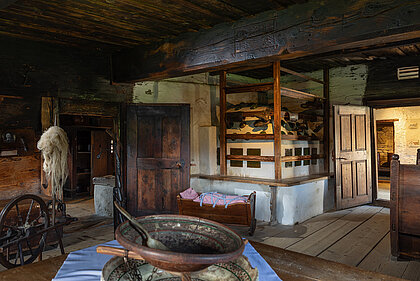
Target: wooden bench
(235,213)
(405,209)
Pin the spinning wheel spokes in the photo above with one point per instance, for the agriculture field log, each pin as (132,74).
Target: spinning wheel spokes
(21,223)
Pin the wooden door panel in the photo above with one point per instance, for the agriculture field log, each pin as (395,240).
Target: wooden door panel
(146,141)
(345,128)
(171,147)
(361,180)
(146,187)
(157,157)
(347,180)
(352,156)
(360,131)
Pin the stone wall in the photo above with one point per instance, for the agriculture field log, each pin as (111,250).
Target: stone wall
(407,130)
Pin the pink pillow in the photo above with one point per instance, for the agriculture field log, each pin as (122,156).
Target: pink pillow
(189,194)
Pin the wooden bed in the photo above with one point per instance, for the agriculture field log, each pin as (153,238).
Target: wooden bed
(405,209)
(236,213)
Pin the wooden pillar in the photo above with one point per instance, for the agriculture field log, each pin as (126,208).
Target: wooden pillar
(277,120)
(222,134)
(327,120)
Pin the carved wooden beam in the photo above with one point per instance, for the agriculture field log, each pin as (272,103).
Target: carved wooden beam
(313,28)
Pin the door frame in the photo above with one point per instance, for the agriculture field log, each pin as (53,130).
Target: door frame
(377,104)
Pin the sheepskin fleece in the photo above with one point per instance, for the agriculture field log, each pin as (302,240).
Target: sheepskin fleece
(55,146)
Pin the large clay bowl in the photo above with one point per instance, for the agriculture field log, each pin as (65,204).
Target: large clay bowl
(194,243)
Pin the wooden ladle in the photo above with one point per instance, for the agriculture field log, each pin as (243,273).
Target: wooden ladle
(150,242)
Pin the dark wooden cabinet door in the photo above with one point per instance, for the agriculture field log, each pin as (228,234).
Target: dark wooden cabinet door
(101,157)
(158,157)
(352,156)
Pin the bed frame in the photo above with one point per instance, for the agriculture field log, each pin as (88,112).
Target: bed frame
(405,209)
(236,213)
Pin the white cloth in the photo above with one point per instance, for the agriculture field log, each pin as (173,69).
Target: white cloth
(86,264)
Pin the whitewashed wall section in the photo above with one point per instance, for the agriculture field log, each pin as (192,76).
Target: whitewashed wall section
(407,130)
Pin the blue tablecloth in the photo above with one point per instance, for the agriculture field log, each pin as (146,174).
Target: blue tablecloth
(86,264)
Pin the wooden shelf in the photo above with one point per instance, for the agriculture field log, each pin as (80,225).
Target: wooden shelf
(249,88)
(294,137)
(298,94)
(250,136)
(269,86)
(83,152)
(271,158)
(83,173)
(270,182)
(267,137)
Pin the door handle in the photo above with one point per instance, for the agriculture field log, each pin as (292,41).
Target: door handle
(180,164)
(338,158)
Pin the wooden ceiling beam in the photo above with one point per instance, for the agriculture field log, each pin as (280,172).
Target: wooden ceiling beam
(114,19)
(310,29)
(82,24)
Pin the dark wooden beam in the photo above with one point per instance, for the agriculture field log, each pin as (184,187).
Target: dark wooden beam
(277,119)
(313,28)
(222,127)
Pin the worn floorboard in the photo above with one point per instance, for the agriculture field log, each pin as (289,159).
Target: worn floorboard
(379,260)
(352,248)
(321,240)
(298,232)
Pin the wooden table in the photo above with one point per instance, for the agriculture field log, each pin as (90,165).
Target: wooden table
(288,265)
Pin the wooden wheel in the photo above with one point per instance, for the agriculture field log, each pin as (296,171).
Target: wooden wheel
(21,222)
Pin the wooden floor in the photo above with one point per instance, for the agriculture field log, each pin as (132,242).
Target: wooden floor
(88,231)
(357,237)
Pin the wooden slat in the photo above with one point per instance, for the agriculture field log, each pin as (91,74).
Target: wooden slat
(293,266)
(271,158)
(321,240)
(326,129)
(292,235)
(301,75)
(222,132)
(380,260)
(359,242)
(249,88)
(291,93)
(261,39)
(271,182)
(250,136)
(277,120)
(267,137)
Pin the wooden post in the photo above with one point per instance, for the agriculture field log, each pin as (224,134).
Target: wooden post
(277,120)
(327,120)
(394,189)
(222,135)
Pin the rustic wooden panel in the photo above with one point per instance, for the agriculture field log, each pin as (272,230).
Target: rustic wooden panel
(300,30)
(19,175)
(146,140)
(360,131)
(146,198)
(171,147)
(346,180)
(361,181)
(346,137)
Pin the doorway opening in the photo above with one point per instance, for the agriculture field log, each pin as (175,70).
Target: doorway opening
(397,132)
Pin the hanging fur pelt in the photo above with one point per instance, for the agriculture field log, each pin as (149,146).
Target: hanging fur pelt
(55,146)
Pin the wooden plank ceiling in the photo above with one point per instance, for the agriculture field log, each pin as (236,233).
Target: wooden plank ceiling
(111,25)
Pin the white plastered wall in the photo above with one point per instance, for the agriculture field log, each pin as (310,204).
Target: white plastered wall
(406,130)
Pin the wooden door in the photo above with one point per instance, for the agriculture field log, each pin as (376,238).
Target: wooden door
(100,155)
(158,157)
(352,156)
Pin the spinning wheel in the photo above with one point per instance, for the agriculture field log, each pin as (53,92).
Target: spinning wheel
(23,230)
